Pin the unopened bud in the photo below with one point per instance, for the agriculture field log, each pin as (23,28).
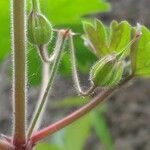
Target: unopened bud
(39,29)
(107,72)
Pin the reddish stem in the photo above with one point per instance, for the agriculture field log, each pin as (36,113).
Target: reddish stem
(75,115)
(4,145)
(70,118)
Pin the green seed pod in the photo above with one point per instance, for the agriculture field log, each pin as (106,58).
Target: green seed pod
(39,29)
(117,74)
(107,72)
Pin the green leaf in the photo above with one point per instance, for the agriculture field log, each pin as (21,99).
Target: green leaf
(69,102)
(143,54)
(96,37)
(90,37)
(120,35)
(34,66)
(102,131)
(61,13)
(69,12)
(4,29)
(77,134)
(46,146)
(65,65)
(102,34)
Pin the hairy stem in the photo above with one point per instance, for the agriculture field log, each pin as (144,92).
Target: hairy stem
(75,73)
(19,74)
(44,55)
(45,79)
(58,50)
(35,5)
(75,115)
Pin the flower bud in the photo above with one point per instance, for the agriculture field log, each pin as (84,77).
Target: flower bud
(107,72)
(39,29)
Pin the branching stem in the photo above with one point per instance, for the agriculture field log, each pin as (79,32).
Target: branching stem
(58,51)
(39,135)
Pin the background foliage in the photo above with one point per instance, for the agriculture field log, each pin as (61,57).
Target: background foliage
(75,136)
(68,14)
(61,13)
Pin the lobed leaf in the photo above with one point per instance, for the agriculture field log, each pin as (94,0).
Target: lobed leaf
(120,35)
(97,38)
(143,54)
(61,13)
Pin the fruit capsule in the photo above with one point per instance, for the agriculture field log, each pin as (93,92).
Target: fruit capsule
(39,29)
(107,72)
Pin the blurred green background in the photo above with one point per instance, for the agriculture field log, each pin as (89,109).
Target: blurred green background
(126,113)
(63,14)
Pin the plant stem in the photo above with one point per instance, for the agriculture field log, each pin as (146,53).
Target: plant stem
(44,55)
(35,5)
(75,115)
(75,73)
(4,145)
(45,78)
(58,51)
(19,74)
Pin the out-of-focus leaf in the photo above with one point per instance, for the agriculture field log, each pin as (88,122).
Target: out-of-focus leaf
(143,54)
(4,29)
(69,102)
(65,65)
(46,146)
(77,134)
(62,13)
(74,136)
(58,11)
(102,130)
(58,139)
(34,66)
(69,12)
